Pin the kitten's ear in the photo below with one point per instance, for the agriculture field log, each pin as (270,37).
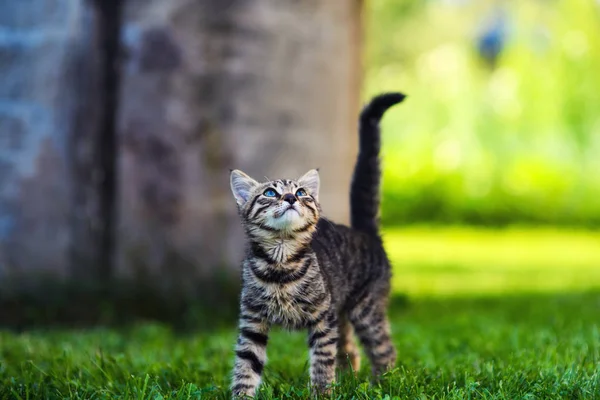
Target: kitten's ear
(311,182)
(241,186)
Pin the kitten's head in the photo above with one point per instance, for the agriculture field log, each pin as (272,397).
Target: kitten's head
(282,206)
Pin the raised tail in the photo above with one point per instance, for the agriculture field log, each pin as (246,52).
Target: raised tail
(364,191)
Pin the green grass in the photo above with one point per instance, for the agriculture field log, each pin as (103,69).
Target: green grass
(529,339)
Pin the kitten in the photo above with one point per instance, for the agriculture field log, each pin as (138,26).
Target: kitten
(304,271)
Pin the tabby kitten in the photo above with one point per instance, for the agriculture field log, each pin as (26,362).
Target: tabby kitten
(304,271)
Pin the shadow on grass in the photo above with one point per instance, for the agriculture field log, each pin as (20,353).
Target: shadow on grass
(46,302)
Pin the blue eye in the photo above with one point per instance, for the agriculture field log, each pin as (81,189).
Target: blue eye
(300,193)
(269,193)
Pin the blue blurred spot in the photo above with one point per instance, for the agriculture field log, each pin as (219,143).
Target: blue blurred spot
(493,35)
(131,38)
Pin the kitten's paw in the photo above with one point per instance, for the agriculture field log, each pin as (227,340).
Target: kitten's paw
(322,391)
(349,361)
(240,393)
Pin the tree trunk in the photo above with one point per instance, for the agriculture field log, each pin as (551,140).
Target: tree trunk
(93,147)
(267,86)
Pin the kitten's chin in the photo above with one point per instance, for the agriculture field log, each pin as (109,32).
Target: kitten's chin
(288,221)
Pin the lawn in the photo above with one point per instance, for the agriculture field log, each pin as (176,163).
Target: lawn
(490,314)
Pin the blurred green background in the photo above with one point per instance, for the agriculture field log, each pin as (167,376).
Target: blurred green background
(502,124)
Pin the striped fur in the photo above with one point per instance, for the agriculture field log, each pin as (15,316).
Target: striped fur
(302,271)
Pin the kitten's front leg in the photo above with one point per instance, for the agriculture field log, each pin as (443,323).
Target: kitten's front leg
(323,341)
(250,354)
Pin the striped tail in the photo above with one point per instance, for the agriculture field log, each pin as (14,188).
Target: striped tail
(365,188)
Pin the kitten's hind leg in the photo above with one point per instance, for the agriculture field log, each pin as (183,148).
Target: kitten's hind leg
(373,328)
(348,352)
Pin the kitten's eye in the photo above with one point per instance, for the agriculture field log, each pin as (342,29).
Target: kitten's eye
(301,193)
(269,193)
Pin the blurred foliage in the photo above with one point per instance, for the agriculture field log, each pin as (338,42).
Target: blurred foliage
(516,140)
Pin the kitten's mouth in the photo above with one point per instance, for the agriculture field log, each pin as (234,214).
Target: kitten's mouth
(290,208)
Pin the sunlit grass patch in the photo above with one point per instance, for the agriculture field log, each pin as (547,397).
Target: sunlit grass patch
(459,261)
